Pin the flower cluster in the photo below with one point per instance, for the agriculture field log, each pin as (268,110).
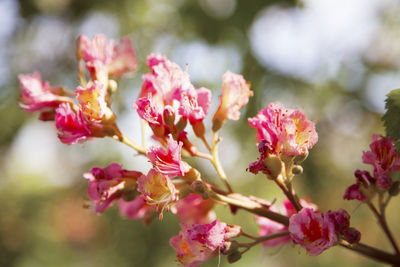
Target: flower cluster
(385,160)
(168,102)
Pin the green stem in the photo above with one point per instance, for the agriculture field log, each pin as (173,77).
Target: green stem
(217,163)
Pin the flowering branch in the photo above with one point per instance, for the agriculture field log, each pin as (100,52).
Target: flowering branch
(168,103)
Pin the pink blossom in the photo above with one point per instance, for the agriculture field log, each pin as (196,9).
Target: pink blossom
(270,227)
(188,252)
(194,104)
(123,60)
(193,209)
(285,130)
(148,111)
(165,79)
(95,49)
(384,158)
(235,95)
(201,242)
(103,58)
(312,230)
(93,102)
(157,189)
(364,182)
(168,163)
(281,131)
(40,96)
(71,125)
(108,184)
(211,235)
(136,209)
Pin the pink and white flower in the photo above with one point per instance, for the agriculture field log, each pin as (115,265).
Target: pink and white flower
(312,230)
(105,58)
(168,163)
(71,125)
(235,95)
(92,100)
(158,189)
(108,184)
(282,131)
(201,242)
(148,111)
(40,96)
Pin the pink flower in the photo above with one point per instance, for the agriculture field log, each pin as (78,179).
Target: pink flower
(136,209)
(157,189)
(281,131)
(285,130)
(188,252)
(148,111)
(193,209)
(270,227)
(201,242)
(165,79)
(71,125)
(108,184)
(105,58)
(384,158)
(123,59)
(312,230)
(168,163)
(194,104)
(364,183)
(39,96)
(93,102)
(235,95)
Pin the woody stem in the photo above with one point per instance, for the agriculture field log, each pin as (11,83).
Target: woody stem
(382,221)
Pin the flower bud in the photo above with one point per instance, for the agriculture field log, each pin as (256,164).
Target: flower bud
(159,131)
(181,124)
(352,235)
(234,257)
(169,116)
(297,169)
(230,247)
(274,165)
(217,124)
(199,129)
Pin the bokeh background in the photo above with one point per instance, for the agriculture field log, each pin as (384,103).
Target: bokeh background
(335,60)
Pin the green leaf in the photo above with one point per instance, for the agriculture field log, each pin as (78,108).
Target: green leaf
(391,118)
